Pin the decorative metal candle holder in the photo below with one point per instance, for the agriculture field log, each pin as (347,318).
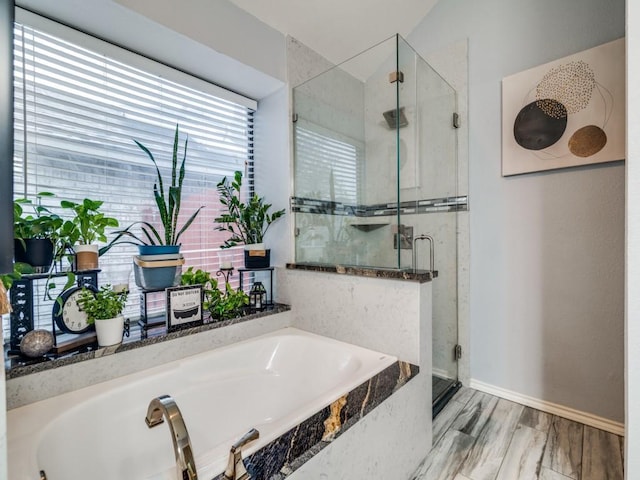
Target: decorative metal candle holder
(258,297)
(226,273)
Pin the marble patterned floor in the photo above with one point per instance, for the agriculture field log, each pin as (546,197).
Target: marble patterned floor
(481,437)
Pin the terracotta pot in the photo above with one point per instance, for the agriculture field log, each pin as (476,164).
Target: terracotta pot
(86,257)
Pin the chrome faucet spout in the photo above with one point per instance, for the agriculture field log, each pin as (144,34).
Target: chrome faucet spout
(165,407)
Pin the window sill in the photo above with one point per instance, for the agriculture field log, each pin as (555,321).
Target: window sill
(15,368)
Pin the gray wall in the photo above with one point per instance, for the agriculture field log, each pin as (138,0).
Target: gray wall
(547,249)
(632,468)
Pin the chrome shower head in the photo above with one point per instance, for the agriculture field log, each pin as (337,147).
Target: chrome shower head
(396,118)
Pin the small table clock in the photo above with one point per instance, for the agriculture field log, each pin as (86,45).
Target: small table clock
(67,314)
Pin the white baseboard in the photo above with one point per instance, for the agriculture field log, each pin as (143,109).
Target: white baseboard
(552,408)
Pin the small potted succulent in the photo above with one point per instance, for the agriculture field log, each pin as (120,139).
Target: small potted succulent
(246,222)
(104,308)
(86,229)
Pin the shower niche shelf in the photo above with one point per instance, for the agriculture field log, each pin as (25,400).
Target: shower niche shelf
(368,226)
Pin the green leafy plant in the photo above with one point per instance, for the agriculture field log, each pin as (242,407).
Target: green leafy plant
(102,305)
(168,202)
(231,304)
(88,224)
(221,305)
(247,222)
(40,222)
(19,269)
(212,294)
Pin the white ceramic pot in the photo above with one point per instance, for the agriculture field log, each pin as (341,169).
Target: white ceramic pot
(86,257)
(254,246)
(110,331)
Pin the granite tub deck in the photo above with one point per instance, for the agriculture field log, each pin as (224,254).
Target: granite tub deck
(420,276)
(20,366)
(284,455)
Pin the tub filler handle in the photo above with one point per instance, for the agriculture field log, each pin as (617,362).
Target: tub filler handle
(165,407)
(235,468)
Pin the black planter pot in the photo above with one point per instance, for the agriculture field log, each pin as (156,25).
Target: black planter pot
(38,252)
(257,258)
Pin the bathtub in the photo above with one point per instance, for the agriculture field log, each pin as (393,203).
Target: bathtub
(278,383)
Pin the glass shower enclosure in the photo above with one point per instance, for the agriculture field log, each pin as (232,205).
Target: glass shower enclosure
(375,171)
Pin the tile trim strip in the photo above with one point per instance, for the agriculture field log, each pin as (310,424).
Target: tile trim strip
(432,205)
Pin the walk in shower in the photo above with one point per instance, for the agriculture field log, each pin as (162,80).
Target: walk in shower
(375,174)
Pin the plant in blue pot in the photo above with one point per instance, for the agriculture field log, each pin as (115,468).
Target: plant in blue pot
(159,264)
(168,198)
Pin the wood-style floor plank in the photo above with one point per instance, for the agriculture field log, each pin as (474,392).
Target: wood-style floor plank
(507,444)
(444,420)
(564,448)
(601,457)
(445,458)
(464,395)
(524,455)
(536,419)
(485,458)
(475,413)
(548,474)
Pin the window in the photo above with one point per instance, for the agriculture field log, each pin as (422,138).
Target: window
(77,113)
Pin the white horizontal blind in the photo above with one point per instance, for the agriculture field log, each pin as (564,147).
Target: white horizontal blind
(76,116)
(327,164)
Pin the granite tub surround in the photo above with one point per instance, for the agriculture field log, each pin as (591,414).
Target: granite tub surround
(40,385)
(421,276)
(137,339)
(286,454)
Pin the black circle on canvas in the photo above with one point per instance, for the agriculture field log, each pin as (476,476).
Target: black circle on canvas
(540,124)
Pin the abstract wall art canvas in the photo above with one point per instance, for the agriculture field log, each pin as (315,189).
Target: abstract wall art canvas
(565,113)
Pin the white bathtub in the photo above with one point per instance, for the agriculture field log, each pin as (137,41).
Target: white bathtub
(272,383)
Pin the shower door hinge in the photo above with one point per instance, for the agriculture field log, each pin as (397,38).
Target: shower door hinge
(396,76)
(456,120)
(457,352)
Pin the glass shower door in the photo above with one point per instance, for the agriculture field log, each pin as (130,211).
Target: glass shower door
(427,172)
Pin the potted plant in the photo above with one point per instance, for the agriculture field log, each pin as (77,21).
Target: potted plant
(104,308)
(221,306)
(168,201)
(86,229)
(247,222)
(37,234)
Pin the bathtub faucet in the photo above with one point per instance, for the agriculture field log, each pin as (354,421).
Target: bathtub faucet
(165,407)
(235,469)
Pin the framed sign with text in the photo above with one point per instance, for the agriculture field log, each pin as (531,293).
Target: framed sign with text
(184,307)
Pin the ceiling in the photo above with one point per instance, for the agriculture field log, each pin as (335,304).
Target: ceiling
(339,29)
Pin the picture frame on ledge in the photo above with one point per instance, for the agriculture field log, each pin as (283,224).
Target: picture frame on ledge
(184,307)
